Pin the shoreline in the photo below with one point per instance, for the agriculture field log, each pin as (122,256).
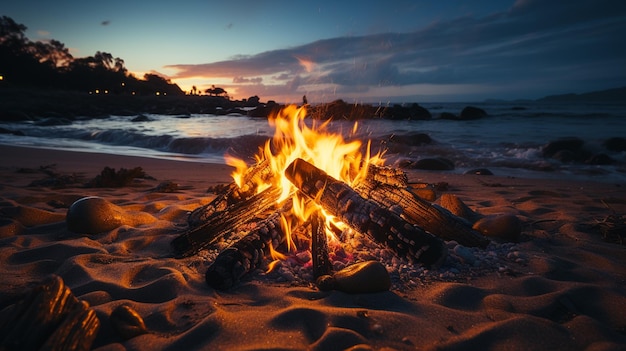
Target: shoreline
(561,287)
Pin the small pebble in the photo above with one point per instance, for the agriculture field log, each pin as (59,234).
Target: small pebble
(506,227)
(464,254)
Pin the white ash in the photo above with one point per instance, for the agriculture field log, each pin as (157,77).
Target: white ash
(461,265)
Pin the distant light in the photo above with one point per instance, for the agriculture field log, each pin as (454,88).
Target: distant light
(123,84)
(1,77)
(164,93)
(106,91)
(90,92)
(133,93)
(158,93)
(97,91)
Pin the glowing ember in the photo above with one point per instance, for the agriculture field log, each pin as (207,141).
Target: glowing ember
(293,138)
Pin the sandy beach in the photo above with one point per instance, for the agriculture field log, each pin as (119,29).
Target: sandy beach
(561,287)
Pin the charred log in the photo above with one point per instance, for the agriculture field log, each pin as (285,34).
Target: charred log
(365,216)
(220,223)
(257,174)
(429,216)
(245,255)
(319,248)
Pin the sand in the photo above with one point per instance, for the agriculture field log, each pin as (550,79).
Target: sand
(562,287)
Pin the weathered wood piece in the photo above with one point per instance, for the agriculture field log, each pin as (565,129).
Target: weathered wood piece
(366,216)
(222,222)
(246,254)
(319,247)
(429,216)
(48,318)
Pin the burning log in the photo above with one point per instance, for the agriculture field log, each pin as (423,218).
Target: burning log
(366,216)
(430,217)
(319,248)
(246,254)
(220,223)
(259,173)
(209,223)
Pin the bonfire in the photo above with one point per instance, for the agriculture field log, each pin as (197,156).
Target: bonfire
(310,183)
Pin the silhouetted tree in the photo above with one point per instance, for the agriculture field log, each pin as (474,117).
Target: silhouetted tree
(215,91)
(50,65)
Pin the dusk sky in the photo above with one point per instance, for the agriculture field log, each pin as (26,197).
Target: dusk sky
(367,51)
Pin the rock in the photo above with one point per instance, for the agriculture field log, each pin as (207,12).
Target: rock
(615,144)
(399,112)
(362,277)
(506,227)
(453,204)
(414,139)
(93,215)
(572,144)
(434,164)
(464,254)
(471,112)
(271,108)
(127,322)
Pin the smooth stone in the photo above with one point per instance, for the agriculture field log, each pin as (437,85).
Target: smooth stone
(506,227)
(363,277)
(93,215)
(464,254)
(127,322)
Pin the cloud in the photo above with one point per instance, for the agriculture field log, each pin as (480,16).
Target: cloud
(105,23)
(240,80)
(43,33)
(545,46)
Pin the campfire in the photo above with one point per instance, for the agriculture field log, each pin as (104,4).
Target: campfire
(306,188)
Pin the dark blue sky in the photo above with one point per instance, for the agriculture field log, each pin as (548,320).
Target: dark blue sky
(368,51)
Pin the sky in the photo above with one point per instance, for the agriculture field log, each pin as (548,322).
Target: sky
(365,51)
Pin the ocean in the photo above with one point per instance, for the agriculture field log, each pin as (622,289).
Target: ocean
(508,142)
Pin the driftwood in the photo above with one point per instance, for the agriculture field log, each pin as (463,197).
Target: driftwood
(429,216)
(48,318)
(366,216)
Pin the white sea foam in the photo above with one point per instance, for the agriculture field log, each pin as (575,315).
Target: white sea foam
(509,140)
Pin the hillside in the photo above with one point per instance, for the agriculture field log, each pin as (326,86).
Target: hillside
(616,95)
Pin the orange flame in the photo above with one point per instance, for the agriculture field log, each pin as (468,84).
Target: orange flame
(330,152)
